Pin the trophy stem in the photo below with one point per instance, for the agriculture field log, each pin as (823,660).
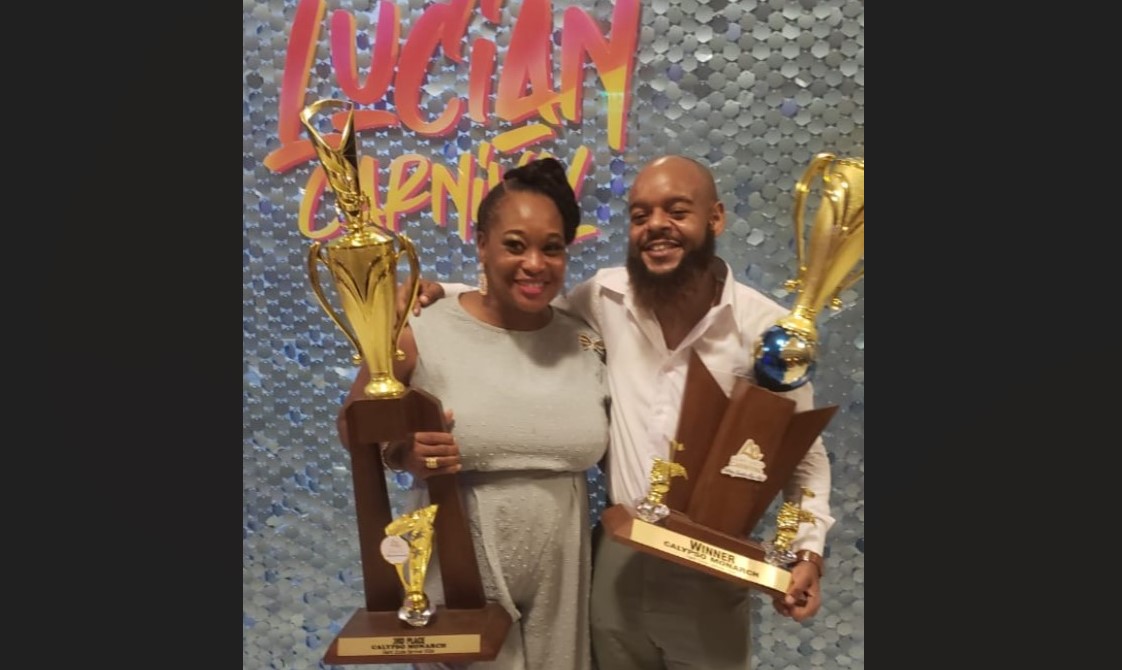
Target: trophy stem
(801,321)
(382,385)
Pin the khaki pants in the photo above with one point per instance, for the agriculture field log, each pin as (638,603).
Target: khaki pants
(651,614)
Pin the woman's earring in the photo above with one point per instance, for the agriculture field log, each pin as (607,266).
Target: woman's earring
(482,279)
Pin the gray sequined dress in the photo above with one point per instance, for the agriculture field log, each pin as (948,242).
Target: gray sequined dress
(530,418)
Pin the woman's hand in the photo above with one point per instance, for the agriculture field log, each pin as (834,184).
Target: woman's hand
(429,453)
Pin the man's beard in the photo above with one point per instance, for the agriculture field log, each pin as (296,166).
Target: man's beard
(653,290)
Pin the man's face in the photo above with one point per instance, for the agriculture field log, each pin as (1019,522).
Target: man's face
(675,218)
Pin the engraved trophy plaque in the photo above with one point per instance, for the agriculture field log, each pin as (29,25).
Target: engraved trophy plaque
(739,450)
(397,623)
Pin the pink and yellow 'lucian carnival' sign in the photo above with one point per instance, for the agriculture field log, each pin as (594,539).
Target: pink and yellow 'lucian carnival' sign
(525,96)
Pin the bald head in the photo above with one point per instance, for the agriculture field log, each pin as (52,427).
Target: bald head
(681,170)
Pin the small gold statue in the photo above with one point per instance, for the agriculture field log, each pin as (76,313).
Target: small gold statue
(416,528)
(787,522)
(652,508)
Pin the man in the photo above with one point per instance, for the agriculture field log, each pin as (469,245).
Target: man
(675,295)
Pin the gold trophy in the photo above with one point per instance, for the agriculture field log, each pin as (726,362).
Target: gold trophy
(415,529)
(652,508)
(741,447)
(787,521)
(363,261)
(785,356)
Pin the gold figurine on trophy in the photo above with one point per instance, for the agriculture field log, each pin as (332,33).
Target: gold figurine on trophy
(652,508)
(786,354)
(363,261)
(787,521)
(415,532)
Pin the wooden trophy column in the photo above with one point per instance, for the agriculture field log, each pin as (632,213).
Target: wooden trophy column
(465,627)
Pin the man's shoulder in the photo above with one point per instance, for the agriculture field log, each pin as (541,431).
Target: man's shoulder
(613,279)
(615,271)
(750,301)
(570,320)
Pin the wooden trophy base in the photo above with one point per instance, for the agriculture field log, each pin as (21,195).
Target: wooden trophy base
(465,627)
(453,636)
(697,547)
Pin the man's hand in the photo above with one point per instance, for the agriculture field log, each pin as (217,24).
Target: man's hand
(427,293)
(804,596)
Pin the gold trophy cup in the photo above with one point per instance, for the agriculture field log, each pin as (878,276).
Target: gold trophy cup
(786,354)
(363,261)
(416,530)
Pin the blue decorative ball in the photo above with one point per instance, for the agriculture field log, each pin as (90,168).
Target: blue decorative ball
(785,359)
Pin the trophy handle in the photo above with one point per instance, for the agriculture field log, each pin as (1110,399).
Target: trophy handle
(835,300)
(315,256)
(415,279)
(817,167)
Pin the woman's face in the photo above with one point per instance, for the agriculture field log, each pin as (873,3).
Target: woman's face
(523,251)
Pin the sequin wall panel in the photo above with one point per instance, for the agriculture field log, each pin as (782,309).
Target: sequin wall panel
(755,89)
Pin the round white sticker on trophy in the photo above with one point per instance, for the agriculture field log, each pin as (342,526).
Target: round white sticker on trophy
(395,550)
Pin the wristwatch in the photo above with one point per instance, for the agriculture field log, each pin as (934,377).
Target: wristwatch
(811,557)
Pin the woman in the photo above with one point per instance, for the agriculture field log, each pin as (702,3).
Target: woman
(526,385)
